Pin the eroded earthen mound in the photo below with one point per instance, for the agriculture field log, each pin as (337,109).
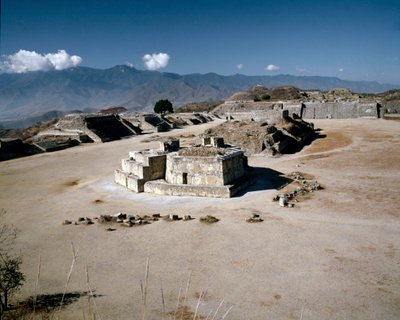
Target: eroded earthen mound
(260,93)
(289,136)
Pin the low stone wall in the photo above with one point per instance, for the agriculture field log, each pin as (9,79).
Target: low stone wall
(266,111)
(391,107)
(339,110)
(163,188)
(135,184)
(129,180)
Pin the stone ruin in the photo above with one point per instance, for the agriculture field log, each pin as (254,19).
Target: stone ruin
(209,170)
(287,199)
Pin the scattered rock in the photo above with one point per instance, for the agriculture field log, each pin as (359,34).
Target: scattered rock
(297,175)
(120,216)
(306,186)
(127,223)
(125,220)
(254,218)
(87,221)
(105,218)
(282,200)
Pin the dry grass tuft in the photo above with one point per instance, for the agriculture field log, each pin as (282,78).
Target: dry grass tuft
(209,219)
(71,182)
(201,152)
(184,313)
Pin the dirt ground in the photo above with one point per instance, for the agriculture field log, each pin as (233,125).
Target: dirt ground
(334,255)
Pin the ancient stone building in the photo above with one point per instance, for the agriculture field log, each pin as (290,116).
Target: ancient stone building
(209,170)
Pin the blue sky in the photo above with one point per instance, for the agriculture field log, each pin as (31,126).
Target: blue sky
(353,39)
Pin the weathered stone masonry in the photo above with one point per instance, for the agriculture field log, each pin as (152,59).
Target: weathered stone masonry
(167,172)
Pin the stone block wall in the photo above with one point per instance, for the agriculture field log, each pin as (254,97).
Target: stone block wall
(170,145)
(217,142)
(135,184)
(339,110)
(120,177)
(157,165)
(161,172)
(140,156)
(311,110)
(145,165)
(194,170)
(136,168)
(233,168)
(159,187)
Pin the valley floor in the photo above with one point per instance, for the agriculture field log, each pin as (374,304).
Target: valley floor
(335,255)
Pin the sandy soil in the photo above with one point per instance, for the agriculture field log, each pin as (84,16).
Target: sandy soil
(333,256)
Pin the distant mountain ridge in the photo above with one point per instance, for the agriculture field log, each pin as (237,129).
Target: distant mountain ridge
(34,93)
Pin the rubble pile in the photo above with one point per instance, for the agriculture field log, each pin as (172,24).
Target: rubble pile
(254,137)
(305,186)
(126,220)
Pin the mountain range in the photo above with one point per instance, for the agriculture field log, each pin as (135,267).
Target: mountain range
(33,94)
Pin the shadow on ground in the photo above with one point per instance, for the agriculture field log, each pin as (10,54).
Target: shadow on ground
(45,305)
(295,146)
(314,136)
(265,179)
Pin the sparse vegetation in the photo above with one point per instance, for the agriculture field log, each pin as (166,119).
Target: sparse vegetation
(27,134)
(201,152)
(199,106)
(11,278)
(209,219)
(163,106)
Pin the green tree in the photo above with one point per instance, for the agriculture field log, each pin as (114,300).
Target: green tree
(163,106)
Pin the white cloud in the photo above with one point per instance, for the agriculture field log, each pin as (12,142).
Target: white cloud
(240,66)
(301,70)
(24,61)
(62,60)
(272,67)
(156,60)
(341,69)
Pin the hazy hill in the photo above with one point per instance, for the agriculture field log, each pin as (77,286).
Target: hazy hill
(32,94)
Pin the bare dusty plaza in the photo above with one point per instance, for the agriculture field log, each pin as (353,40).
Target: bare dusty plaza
(334,255)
